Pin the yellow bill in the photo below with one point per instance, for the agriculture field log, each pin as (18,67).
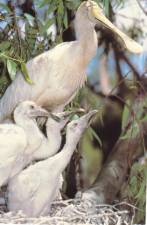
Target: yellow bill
(130,44)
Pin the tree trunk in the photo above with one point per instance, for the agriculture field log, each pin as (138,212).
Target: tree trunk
(113,174)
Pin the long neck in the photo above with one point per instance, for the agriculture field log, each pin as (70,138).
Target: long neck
(61,159)
(50,145)
(54,139)
(86,37)
(34,135)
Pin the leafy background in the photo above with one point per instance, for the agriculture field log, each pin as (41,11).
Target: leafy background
(28,28)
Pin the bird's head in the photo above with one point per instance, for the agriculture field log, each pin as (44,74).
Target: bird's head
(59,120)
(76,128)
(29,110)
(91,10)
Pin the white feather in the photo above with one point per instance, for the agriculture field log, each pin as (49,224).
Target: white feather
(34,189)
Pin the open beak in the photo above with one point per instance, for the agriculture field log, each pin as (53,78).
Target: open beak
(89,116)
(54,117)
(39,112)
(85,120)
(66,115)
(131,45)
(61,116)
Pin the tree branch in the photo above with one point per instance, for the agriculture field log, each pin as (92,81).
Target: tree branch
(114,172)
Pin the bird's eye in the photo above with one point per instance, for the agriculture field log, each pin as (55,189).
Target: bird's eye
(32,107)
(75,124)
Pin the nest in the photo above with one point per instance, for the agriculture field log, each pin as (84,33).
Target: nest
(75,212)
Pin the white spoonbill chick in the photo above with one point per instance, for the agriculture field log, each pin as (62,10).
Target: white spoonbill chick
(60,72)
(51,144)
(15,138)
(34,189)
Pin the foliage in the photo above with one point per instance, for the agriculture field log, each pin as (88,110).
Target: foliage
(133,115)
(137,189)
(18,46)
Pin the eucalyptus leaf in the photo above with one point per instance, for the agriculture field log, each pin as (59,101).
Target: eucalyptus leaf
(75,117)
(95,135)
(126,114)
(61,8)
(42,3)
(12,68)
(25,73)
(141,192)
(4,45)
(65,20)
(132,132)
(44,28)
(30,19)
(52,7)
(48,23)
(60,15)
(4,7)
(70,4)
(106,7)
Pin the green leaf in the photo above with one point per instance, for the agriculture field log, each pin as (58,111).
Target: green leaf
(61,8)
(133,181)
(133,185)
(141,193)
(106,7)
(48,23)
(65,20)
(95,136)
(70,4)
(75,117)
(4,7)
(25,73)
(12,68)
(60,14)
(40,4)
(43,27)
(29,18)
(144,118)
(52,7)
(132,132)
(4,45)
(126,114)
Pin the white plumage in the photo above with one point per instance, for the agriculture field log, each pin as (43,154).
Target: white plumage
(34,189)
(23,142)
(13,141)
(59,73)
(16,139)
(51,144)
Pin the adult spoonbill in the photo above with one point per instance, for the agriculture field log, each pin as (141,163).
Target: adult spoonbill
(60,72)
(17,140)
(34,189)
